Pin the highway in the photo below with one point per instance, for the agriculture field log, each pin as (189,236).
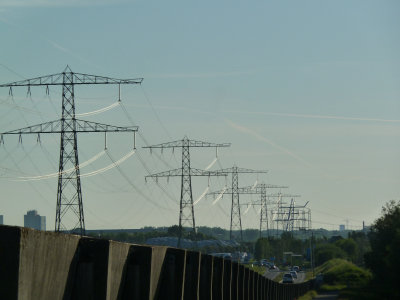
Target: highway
(271,274)
(301,277)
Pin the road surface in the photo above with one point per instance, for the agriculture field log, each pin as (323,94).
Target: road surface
(271,274)
(301,277)
(327,296)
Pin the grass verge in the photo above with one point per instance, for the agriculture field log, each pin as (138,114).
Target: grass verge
(309,295)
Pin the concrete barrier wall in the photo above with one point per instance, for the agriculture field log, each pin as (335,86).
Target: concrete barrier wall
(192,275)
(51,266)
(234,280)
(34,264)
(206,275)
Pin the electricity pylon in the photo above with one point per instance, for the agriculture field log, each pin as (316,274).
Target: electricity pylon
(287,214)
(236,221)
(261,189)
(265,203)
(186,210)
(292,216)
(69,192)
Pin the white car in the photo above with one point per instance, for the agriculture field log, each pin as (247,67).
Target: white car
(294,274)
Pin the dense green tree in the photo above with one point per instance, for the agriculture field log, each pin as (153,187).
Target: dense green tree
(175,230)
(384,258)
(363,246)
(325,252)
(262,248)
(349,246)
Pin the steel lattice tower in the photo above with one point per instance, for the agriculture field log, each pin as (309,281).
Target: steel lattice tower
(260,189)
(264,212)
(291,217)
(236,220)
(69,191)
(186,208)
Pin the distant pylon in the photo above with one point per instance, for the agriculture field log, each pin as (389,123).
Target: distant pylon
(186,209)
(236,220)
(260,189)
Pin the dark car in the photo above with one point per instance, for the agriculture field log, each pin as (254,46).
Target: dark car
(287,278)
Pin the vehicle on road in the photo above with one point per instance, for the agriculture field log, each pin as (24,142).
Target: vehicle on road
(294,274)
(287,278)
(256,263)
(264,263)
(296,268)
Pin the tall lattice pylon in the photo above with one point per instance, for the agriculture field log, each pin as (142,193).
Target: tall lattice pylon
(186,207)
(236,220)
(69,191)
(261,189)
(286,214)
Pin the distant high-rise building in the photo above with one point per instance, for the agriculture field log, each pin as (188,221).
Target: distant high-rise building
(1,220)
(35,221)
(342,227)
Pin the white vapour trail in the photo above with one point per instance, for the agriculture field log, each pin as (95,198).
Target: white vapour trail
(254,185)
(99,111)
(56,3)
(219,196)
(317,116)
(264,139)
(201,196)
(212,163)
(82,165)
(247,209)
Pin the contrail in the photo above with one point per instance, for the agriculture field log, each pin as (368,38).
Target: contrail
(56,3)
(315,116)
(50,42)
(264,139)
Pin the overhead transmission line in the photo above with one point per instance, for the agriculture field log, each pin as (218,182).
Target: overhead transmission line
(69,193)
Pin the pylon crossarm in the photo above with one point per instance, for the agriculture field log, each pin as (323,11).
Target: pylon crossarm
(86,126)
(169,173)
(178,172)
(257,203)
(78,78)
(260,188)
(226,191)
(241,170)
(279,195)
(198,172)
(187,143)
(247,190)
(81,126)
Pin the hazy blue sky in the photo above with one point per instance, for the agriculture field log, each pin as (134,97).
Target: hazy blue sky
(308,90)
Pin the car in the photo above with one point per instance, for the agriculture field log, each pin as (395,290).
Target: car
(272,267)
(287,278)
(296,268)
(264,263)
(294,274)
(256,263)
